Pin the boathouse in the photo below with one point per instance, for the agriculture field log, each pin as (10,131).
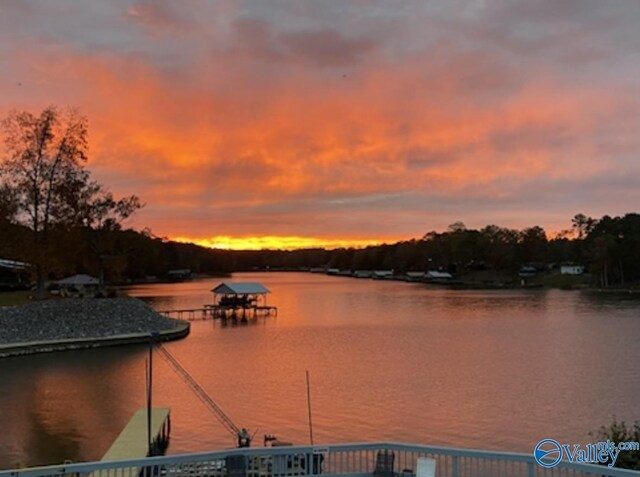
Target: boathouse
(78,285)
(13,275)
(234,297)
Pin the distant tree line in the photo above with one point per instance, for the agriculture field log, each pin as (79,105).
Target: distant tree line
(58,219)
(608,247)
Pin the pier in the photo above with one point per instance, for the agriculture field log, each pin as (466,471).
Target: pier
(234,300)
(133,442)
(209,312)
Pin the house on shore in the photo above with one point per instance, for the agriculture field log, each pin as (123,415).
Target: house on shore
(415,275)
(78,285)
(179,275)
(13,274)
(437,276)
(571,269)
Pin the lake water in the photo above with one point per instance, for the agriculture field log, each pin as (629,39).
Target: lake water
(388,361)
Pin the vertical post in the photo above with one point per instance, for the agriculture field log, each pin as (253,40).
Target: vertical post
(309,408)
(152,339)
(149,396)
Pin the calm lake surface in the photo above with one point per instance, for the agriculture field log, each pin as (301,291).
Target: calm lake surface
(388,361)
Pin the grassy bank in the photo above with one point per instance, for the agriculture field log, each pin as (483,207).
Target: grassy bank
(14,298)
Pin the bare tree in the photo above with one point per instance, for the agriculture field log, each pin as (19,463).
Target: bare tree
(42,152)
(44,170)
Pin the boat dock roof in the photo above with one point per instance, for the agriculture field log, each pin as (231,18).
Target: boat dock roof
(240,288)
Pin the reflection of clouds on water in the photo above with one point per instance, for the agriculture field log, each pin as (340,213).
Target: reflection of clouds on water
(611,301)
(67,405)
(505,302)
(388,361)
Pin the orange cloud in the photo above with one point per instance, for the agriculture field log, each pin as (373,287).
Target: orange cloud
(231,122)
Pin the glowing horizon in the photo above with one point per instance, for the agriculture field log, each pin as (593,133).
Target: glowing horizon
(226,242)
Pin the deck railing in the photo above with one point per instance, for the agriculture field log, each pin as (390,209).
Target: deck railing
(352,460)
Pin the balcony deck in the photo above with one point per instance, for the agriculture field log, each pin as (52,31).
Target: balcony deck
(344,460)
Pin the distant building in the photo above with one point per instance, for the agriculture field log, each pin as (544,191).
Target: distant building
(240,294)
(571,269)
(180,274)
(78,285)
(13,275)
(380,274)
(527,271)
(363,274)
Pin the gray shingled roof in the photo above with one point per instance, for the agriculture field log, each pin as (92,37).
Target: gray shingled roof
(81,279)
(240,288)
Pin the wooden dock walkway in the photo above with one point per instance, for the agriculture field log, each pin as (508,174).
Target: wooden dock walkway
(132,443)
(209,312)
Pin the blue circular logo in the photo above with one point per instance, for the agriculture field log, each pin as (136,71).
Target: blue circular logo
(548,453)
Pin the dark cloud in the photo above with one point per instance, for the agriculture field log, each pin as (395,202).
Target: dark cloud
(324,47)
(254,38)
(230,173)
(532,137)
(161,16)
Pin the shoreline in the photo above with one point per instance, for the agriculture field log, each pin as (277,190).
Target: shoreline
(51,346)
(73,324)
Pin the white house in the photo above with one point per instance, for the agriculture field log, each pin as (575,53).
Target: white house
(434,274)
(382,273)
(363,274)
(571,269)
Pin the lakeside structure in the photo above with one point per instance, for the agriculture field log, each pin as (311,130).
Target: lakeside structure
(241,298)
(133,440)
(527,277)
(12,274)
(78,285)
(234,300)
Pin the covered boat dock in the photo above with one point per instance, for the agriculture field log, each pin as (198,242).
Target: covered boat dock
(240,300)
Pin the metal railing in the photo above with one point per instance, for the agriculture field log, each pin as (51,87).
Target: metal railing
(353,460)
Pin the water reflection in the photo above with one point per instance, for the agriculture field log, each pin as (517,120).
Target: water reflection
(388,361)
(66,405)
(491,303)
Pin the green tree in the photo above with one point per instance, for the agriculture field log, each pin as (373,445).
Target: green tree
(619,431)
(499,245)
(532,245)
(581,224)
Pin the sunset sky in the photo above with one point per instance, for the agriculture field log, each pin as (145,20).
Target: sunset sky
(285,123)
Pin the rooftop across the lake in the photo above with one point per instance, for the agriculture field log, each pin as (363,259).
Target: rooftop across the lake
(240,288)
(79,280)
